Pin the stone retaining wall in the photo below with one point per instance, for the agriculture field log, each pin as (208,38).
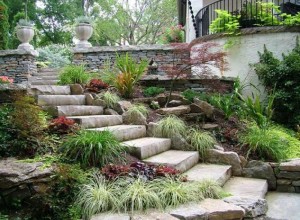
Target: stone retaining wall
(288,176)
(18,64)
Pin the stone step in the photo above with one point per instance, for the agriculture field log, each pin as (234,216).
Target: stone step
(57,100)
(44,82)
(46,73)
(146,147)
(98,121)
(181,160)
(74,110)
(41,77)
(246,187)
(125,132)
(50,90)
(218,173)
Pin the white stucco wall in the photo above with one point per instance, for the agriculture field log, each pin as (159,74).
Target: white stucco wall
(245,52)
(189,28)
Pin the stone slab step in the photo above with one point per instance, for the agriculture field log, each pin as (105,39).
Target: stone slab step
(46,73)
(50,90)
(181,160)
(74,110)
(218,173)
(146,147)
(57,100)
(97,121)
(125,132)
(44,82)
(246,187)
(41,77)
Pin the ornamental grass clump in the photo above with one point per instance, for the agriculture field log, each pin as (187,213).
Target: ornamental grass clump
(170,126)
(93,148)
(209,189)
(202,141)
(110,99)
(73,74)
(135,110)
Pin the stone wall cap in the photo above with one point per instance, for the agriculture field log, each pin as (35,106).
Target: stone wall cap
(123,48)
(19,52)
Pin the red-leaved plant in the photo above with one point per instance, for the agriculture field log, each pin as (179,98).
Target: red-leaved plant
(139,169)
(63,125)
(186,57)
(5,80)
(95,85)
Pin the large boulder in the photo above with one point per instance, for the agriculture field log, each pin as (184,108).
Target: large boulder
(122,106)
(230,158)
(204,107)
(254,207)
(151,129)
(260,170)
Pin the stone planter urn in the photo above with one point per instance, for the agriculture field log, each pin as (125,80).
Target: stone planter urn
(25,35)
(83,32)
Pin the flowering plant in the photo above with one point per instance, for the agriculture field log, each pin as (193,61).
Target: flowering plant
(173,35)
(5,80)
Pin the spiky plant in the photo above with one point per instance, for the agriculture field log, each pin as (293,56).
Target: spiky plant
(93,148)
(202,141)
(170,126)
(73,74)
(110,99)
(209,189)
(96,196)
(138,108)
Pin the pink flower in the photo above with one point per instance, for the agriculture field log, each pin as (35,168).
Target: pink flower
(5,79)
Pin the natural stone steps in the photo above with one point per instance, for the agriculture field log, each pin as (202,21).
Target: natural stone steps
(41,77)
(146,147)
(181,160)
(218,173)
(47,73)
(74,110)
(50,90)
(57,100)
(97,121)
(246,187)
(125,132)
(44,82)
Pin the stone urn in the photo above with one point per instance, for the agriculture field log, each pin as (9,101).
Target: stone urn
(83,32)
(25,35)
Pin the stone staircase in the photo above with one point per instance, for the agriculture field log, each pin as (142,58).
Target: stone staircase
(149,149)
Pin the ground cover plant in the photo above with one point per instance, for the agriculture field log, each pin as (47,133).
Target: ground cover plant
(152,91)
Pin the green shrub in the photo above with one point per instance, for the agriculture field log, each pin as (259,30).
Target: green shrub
(5,135)
(224,102)
(73,74)
(201,141)
(173,35)
(225,22)
(153,91)
(170,126)
(281,79)
(110,99)
(92,148)
(4,26)
(55,55)
(265,143)
(98,195)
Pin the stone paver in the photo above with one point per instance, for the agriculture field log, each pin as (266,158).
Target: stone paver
(57,100)
(97,121)
(219,173)
(283,205)
(109,216)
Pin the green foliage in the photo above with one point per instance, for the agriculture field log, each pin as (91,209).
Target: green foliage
(284,76)
(98,195)
(110,99)
(55,55)
(264,143)
(225,22)
(83,19)
(138,108)
(25,23)
(225,103)
(125,75)
(5,135)
(201,141)
(209,189)
(173,35)
(290,20)
(73,74)
(170,126)
(154,105)
(4,26)
(153,91)
(92,148)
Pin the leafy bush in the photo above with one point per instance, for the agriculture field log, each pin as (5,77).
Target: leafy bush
(63,125)
(264,143)
(201,141)
(92,148)
(138,108)
(139,170)
(173,35)
(153,91)
(110,99)
(224,102)
(5,80)
(55,55)
(128,73)
(5,131)
(4,26)
(73,74)
(170,126)
(225,22)
(96,85)
(281,79)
